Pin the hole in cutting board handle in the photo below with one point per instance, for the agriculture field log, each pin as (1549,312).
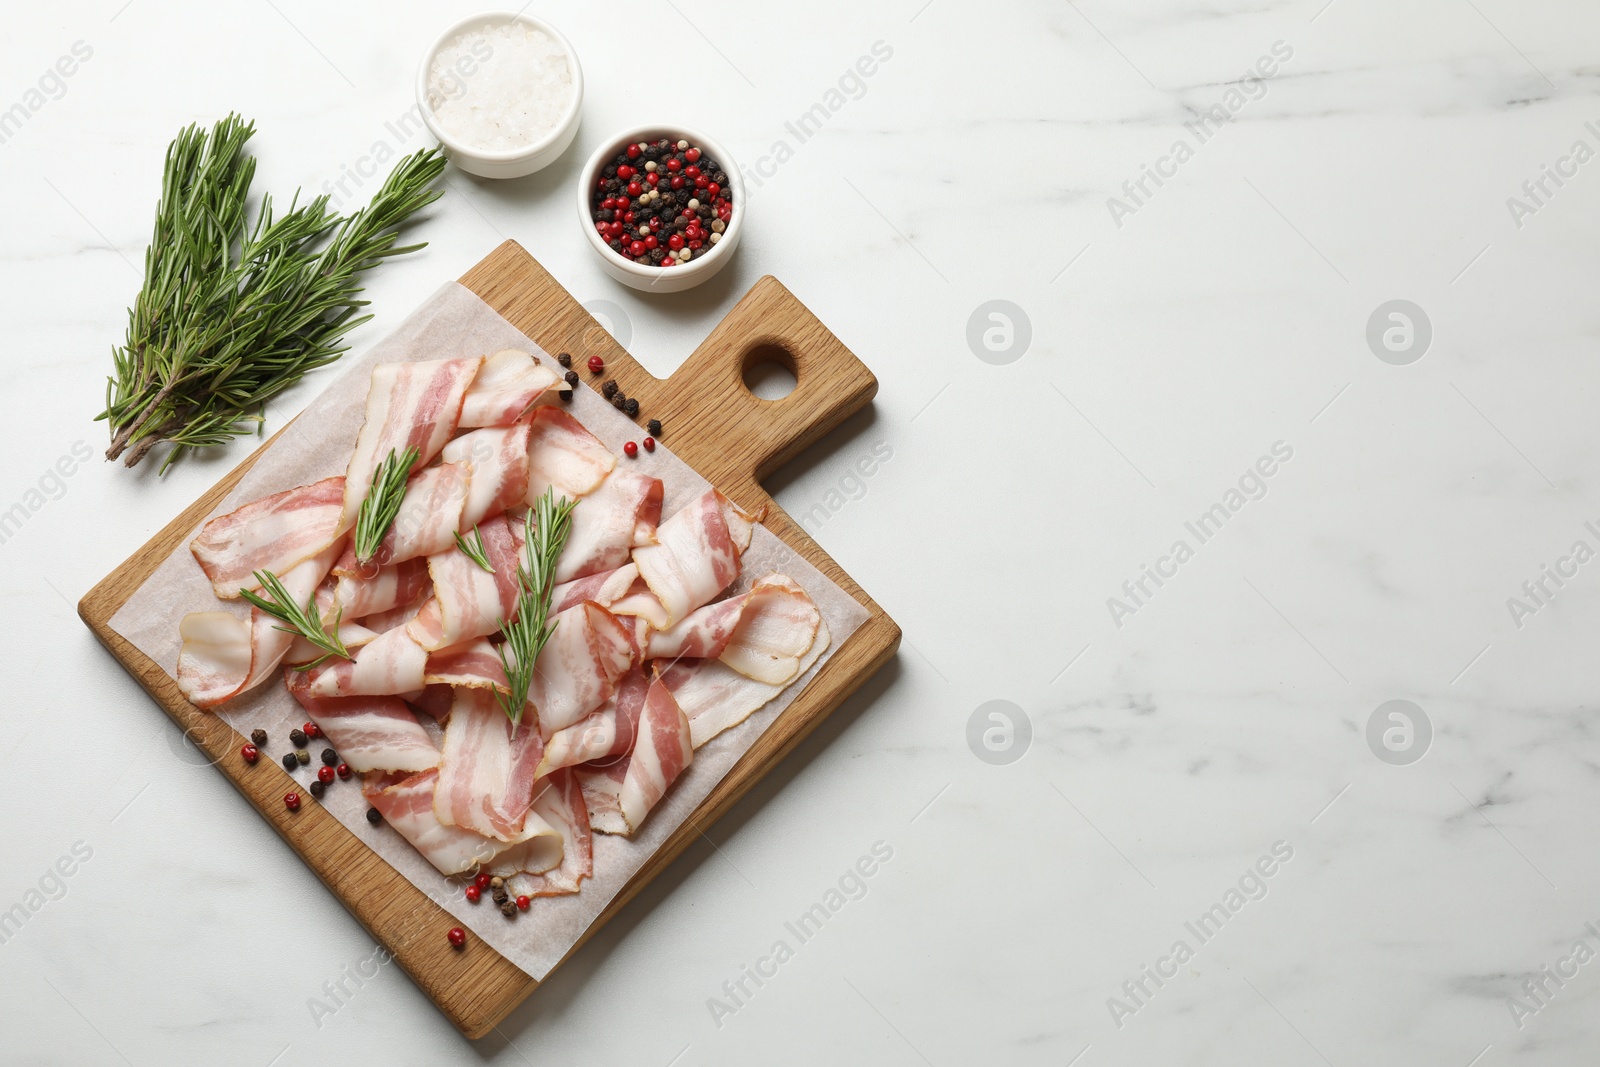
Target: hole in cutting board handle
(770,372)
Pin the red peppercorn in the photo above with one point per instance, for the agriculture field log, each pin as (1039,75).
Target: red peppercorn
(627,216)
(482,881)
(343,771)
(634,188)
(625,172)
(291,800)
(250,752)
(692,155)
(596,365)
(325,774)
(457,936)
(677,181)
(602,228)
(654,178)
(725,212)
(695,246)
(691,172)
(675,242)
(673,164)
(473,893)
(651,242)
(637,249)
(701,182)
(311,729)
(523,902)
(613,229)
(668,262)
(649,444)
(630,450)
(633,151)
(713,190)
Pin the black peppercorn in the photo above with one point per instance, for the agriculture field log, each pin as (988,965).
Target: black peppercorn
(302,756)
(572,377)
(616,245)
(258,738)
(618,401)
(318,787)
(565,393)
(297,738)
(330,757)
(609,389)
(654,426)
(565,359)
(509,910)
(374,816)
(610,171)
(289,762)
(631,408)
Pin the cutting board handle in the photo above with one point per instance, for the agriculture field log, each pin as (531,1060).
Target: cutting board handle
(743,436)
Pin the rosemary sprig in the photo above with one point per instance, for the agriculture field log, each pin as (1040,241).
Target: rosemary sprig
(382,503)
(305,622)
(234,310)
(473,549)
(546,527)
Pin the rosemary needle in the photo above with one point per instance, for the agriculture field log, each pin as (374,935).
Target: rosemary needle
(546,526)
(306,621)
(382,503)
(473,549)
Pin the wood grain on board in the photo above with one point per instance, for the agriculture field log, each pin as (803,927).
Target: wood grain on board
(713,422)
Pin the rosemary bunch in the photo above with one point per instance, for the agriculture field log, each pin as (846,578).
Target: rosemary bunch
(547,525)
(234,310)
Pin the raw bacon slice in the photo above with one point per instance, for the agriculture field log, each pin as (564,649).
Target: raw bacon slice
(469,601)
(565,455)
(604,589)
(559,803)
(429,516)
(660,754)
(716,697)
(580,665)
(498,462)
(473,664)
(357,597)
(370,733)
(215,658)
(697,554)
(407,805)
(509,383)
(409,405)
(486,774)
(604,734)
(224,655)
(762,634)
(271,534)
(391,663)
(608,523)
(602,796)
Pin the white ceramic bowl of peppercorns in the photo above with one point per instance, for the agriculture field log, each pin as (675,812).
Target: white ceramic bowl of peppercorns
(662,207)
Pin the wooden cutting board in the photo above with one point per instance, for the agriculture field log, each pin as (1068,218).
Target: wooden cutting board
(716,425)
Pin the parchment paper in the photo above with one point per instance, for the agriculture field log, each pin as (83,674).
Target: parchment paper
(454,322)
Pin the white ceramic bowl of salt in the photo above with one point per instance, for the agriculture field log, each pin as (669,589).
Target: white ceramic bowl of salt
(502,92)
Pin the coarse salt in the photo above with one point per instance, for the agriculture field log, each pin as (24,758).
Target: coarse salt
(500,87)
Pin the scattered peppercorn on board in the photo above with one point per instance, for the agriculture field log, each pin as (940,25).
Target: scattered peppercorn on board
(713,422)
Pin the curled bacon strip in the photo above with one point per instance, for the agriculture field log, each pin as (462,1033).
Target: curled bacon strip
(409,405)
(271,534)
(508,385)
(697,554)
(561,453)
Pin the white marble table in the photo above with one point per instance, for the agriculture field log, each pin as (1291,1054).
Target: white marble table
(1177,733)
